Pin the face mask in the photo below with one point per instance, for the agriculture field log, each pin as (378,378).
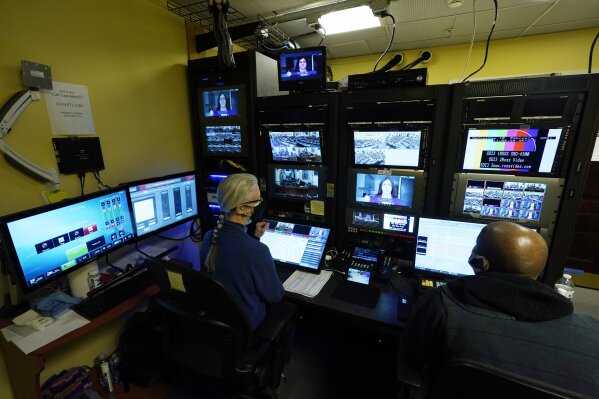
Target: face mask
(259,212)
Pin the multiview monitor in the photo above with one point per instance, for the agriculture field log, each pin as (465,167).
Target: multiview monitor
(302,145)
(224,140)
(296,245)
(444,246)
(220,102)
(390,147)
(302,69)
(520,150)
(161,203)
(292,182)
(531,201)
(49,242)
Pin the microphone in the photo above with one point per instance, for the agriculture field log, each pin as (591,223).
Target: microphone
(425,56)
(397,59)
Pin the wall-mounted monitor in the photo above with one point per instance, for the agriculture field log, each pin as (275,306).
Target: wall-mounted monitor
(515,150)
(302,145)
(49,242)
(302,69)
(531,201)
(162,202)
(389,147)
(296,183)
(224,140)
(444,246)
(220,102)
(391,189)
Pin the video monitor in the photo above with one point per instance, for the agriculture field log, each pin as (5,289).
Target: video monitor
(295,244)
(363,218)
(391,147)
(220,102)
(46,243)
(526,200)
(302,69)
(302,145)
(444,246)
(521,150)
(399,223)
(292,182)
(162,202)
(224,140)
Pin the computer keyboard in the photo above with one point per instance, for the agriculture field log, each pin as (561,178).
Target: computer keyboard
(113,293)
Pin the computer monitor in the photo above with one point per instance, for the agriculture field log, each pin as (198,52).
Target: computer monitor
(515,150)
(444,246)
(389,147)
(382,221)
(160,203)
(302,145)
(224,140)
(296,183)
(297,245)
(49,242)
(531,201)
(220,102)
(302,69)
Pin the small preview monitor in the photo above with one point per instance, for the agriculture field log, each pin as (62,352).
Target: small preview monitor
(303,145)
(163,202)
(399,223)
(292,182)
(391,147)
(220,102)
(384,190)
(294,244)
(365,218)
(223,140)
(302,69)
(49,242)
(444,246)
(522,150)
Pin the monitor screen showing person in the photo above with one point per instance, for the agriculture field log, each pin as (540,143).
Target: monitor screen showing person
(220,103)
(296,183)
(385,190)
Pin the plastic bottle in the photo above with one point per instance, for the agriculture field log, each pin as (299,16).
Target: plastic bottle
(93,279)
(565,286)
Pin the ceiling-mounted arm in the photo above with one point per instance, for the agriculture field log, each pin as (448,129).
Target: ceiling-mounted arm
(8,115)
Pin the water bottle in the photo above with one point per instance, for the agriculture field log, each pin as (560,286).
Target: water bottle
(565,286)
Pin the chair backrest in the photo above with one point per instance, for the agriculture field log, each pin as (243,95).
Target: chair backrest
(468,379)
(206,329)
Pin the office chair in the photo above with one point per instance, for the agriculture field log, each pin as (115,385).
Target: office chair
(470,379)
(208,332)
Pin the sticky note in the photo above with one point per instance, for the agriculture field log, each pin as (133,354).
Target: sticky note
(176,281)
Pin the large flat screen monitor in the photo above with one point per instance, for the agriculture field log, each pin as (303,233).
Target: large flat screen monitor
(389,147)
(221,102)
(294,244)
(302,69)
(444,246)
(531,201)
(224,140)
(297,145)
(46,243)
(521,150)
(162,202)
(297,183)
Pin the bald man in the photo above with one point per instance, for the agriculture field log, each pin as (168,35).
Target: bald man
(504,318)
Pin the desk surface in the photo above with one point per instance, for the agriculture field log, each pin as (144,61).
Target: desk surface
(382,317)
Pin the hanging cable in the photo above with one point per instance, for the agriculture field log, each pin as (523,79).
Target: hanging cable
(82,181)
(99,181)
(591,53)
(487,46)
(323,36)
(386,14)
(471,42)
(195,231)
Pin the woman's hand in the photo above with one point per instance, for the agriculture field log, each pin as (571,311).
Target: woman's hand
(260,228)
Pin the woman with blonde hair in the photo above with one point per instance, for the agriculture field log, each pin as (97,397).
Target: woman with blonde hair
(243,264)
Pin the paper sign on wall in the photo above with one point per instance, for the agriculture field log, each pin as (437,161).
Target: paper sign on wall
(69,110)
(595,156)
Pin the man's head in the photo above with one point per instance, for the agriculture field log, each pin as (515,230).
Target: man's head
(509,248)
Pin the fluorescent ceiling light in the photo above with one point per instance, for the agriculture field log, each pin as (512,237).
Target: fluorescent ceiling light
(352,19)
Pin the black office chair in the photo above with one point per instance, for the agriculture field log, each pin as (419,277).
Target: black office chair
(470,379)
(208,332)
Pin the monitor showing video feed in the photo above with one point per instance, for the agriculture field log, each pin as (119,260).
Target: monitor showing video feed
(362,218)
(302,69)
(522,150)
(391,147)
(223,140)
(399,223)
(296,145)
(385,190)
(444,246)
(296,183)
(161,203)
(295,244)
(221,102)
(49,242)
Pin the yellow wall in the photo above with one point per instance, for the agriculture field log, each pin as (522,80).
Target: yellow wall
(541,54)
(131,55)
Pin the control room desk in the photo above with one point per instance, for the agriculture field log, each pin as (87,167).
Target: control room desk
(24,370)
(382,318)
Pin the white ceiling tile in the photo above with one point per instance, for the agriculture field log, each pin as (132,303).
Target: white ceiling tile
(571,10)
(349,49)
(566,26)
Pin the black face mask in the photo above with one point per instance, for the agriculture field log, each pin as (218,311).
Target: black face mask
(259,212)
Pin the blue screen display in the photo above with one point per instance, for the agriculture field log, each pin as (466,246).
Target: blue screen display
(49,243)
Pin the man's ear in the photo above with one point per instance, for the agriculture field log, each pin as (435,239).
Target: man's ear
(484,263)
